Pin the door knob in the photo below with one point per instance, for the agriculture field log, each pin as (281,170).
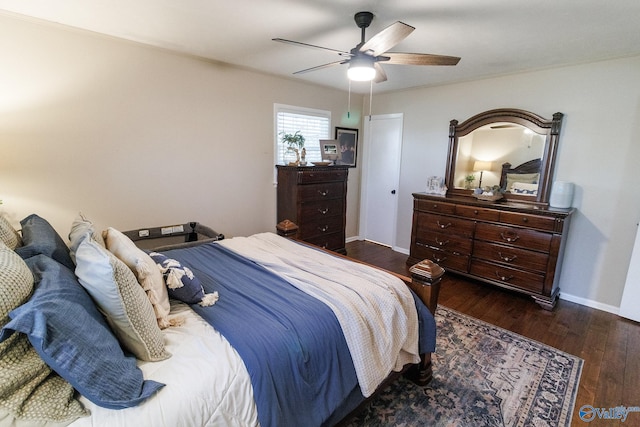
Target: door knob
(393,191)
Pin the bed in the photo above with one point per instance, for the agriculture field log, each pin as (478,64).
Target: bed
(257,330)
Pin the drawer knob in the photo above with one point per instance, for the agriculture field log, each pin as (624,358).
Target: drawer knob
(507,258)
(509,236)
(525,219)
(475,212)
(443,226)
(323,211)
(323,193)
(503,278)
(324,228)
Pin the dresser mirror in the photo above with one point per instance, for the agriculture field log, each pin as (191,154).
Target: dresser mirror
(512,149)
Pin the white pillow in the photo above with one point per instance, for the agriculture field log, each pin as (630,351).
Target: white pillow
(524,187)
(145,270)
(116,292)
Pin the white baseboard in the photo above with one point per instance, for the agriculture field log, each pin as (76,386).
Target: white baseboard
(590,303)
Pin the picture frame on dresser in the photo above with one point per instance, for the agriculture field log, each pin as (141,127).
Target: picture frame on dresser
(348,146)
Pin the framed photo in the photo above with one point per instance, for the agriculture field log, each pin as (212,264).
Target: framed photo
(329,150)
(347,146)
(435,185)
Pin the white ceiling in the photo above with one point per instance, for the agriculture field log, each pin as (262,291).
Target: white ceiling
(493,37)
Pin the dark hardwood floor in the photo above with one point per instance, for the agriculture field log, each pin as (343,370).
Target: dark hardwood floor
(608,344)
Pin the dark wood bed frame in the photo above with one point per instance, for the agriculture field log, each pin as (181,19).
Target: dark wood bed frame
(532,166)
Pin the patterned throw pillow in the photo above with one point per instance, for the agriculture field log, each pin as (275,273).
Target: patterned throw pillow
(30,390)
(115,290)
(8,234)
(181,282)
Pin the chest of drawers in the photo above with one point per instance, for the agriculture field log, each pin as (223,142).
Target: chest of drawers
(314,197)
(512,246)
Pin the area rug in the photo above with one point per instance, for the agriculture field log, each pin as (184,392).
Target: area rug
(483,376)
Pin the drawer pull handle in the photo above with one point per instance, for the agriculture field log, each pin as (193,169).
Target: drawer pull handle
(507,258)
(437,259)
(509,237)
(443,226)
(525,219)
(441,243)
(324,228)
(323,193)
(475,212)
(323,211)
(503,278)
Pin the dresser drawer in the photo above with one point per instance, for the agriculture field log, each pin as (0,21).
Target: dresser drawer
(478,213)
(327,190)
(515,257)
(514,236)
(448,260)
(320,226)
(525,220)
(446,224)
(310,176)
(437,207)
(445,242)
(316,210)
(508,276)
(329,241)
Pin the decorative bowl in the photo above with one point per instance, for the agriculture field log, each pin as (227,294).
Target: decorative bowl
(489,198)
(321,163)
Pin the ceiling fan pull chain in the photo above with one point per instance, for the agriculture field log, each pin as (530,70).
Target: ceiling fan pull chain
(349,102)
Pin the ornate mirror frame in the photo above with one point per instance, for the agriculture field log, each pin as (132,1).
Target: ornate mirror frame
(538,124)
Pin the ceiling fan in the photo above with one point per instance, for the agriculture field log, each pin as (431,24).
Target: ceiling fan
(364,60)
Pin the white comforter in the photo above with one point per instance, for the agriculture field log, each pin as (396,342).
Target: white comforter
(381,329)
(206,381)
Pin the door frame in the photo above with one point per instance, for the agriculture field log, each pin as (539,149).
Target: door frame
(362,228)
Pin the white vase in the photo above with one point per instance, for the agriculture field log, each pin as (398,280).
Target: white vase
(561,194)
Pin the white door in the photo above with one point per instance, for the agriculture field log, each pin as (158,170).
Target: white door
(380,178)
(630,305)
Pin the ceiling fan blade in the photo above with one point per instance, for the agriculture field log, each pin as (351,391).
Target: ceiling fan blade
(387,38)
(418,59)
(341,52)
(319,67)
(381,76)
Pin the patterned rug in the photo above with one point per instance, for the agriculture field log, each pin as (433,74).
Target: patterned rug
(483,376)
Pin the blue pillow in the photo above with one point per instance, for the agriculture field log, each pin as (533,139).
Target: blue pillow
(181,283)
(73,338)
(39,237)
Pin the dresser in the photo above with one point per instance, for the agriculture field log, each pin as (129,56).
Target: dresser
(511,245)
(315,198)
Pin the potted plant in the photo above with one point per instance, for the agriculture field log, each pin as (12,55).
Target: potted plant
(295,142)
(469,179)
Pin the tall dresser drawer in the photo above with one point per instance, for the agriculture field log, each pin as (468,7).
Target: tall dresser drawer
(323,191)
(320,226)
(515,257)
(446,224)
(315,210)
(310,176)
(329,241)
(520,237)
(478,213)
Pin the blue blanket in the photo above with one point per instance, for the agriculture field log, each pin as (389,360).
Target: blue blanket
(292,344)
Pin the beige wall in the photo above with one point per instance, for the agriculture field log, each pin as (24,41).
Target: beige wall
(599,151)
(134,136)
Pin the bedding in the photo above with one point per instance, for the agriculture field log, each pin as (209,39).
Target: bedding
(297,336)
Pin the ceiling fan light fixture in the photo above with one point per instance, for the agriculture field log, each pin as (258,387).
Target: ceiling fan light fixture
(361,69)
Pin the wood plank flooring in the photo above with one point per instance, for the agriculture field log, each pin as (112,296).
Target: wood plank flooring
(608,344)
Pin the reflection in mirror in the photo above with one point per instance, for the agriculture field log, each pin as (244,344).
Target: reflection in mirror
(483,152)
(509,148)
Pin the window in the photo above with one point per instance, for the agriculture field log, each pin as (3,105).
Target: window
(314,125)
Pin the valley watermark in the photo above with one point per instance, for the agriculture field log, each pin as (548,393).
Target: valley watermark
(588,413)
